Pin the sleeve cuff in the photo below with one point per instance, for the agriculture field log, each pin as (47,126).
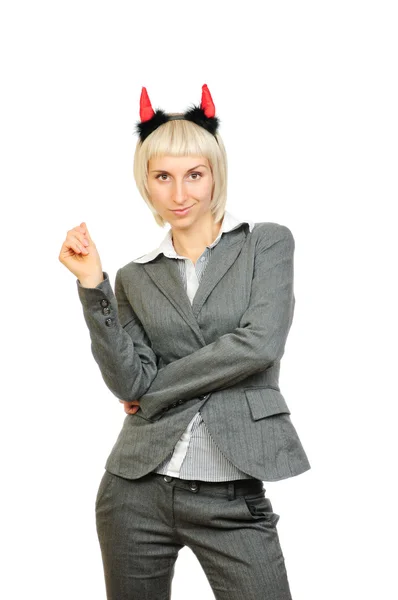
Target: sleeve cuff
(90,296)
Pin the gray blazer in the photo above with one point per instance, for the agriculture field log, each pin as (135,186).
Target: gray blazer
(220,355)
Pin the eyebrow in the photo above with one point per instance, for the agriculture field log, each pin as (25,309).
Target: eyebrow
(164,171)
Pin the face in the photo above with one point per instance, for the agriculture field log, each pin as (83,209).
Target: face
(180,182)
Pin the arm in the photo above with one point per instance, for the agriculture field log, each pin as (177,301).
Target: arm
(255,345)
(121,349)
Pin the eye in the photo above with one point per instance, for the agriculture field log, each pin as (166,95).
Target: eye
(196,176)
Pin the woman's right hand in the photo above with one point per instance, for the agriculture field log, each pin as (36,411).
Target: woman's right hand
(131,407)
(79,254)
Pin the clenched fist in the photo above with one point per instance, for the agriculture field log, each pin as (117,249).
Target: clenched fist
(79,254)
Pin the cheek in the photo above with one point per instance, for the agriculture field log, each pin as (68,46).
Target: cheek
(157,193)
(206,189)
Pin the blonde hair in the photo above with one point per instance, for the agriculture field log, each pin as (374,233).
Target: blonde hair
(181,137)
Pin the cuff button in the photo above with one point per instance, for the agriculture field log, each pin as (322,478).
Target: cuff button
(108,322)
(104,302)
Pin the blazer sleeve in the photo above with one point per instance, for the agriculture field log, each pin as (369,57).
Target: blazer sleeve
(254,346)
(119,343)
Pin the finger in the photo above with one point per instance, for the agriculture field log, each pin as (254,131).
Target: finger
(82,238)
(80,233)
(77,245)
(131,407)
(79,228)
(86,231)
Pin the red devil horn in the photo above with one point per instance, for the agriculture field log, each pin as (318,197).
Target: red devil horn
(207,103)
(146,110)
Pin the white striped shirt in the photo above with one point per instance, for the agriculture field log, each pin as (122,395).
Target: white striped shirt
(196,455)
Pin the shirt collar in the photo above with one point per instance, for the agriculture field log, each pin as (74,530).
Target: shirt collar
(229,223)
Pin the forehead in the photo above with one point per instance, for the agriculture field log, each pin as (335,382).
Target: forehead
(177,163)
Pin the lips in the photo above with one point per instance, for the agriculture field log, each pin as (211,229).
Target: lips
(182,211)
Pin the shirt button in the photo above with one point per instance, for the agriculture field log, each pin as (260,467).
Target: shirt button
(202,259)
(181,402)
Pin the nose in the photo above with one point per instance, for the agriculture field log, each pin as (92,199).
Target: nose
(180,193)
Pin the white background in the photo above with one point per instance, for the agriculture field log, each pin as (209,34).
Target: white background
(307,97)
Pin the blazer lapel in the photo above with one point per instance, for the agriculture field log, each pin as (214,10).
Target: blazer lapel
(222,258)
(165,275)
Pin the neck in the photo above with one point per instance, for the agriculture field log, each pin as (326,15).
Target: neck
(192,241)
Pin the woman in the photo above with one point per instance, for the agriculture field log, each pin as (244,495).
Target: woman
(191,343)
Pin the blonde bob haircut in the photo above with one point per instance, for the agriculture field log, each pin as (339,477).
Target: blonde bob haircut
(181,137)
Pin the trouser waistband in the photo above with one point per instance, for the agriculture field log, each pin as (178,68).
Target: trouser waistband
(231,489)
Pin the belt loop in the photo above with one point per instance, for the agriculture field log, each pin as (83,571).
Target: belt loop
(231,490)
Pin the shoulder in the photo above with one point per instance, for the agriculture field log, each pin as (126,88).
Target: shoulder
(268,233)
(124,273)
(133,271)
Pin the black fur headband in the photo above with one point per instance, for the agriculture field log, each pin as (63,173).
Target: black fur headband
(203,115)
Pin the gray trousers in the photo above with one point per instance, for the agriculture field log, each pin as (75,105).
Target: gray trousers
(230,526)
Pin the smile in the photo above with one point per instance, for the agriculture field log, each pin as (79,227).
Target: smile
(183,211)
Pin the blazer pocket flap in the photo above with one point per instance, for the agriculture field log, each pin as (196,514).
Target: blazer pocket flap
(265,401)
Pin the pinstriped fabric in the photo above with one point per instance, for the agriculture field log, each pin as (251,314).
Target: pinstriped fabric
(196,455)
(220,355)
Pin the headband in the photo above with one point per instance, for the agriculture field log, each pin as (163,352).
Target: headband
(203,115)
